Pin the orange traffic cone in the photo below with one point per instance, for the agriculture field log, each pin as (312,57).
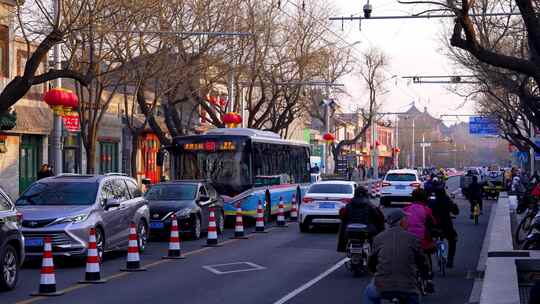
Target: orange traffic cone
(133,259)
(294,210)
(212,237)
(174,241)
(93,271)
(239,226)
(47,281)
(259,224)
(280,222)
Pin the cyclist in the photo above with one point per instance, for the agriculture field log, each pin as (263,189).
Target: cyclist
(475,195)
(396,260)
(360,211)
(443,207)
(421,224)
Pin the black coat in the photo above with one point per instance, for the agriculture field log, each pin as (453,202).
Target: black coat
(360,211)
(443,207)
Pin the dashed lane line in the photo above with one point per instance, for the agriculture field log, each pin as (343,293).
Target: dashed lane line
(310,283)
(122,274)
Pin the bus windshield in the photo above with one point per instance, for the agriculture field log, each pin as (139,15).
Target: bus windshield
(228,171)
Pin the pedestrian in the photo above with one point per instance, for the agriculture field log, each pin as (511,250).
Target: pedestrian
(315,169)
(370,172)
(355,175)
(44,172)
(363,172)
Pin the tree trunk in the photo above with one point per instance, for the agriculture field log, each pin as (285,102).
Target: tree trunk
(134,150)
(90,147)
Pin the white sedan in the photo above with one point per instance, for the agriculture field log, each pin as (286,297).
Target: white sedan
(322,203)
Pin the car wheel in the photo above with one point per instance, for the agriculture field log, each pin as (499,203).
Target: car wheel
(9,265)
(220,222)
(142,235)
(196,228)
(304,227)
(100,243)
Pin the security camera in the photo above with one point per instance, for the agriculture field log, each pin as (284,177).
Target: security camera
(367,10)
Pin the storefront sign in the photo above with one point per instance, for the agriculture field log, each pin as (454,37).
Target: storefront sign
(71,123)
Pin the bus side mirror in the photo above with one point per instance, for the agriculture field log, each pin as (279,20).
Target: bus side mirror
(160,157)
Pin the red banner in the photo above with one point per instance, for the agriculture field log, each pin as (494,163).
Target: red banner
(71,122)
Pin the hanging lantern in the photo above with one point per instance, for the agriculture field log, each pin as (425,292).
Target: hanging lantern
(61,101)
(329,138)
(222,102)
(377,143)
(397,149)
(232,119)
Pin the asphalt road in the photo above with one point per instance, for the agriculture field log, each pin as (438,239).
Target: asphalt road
(282,266)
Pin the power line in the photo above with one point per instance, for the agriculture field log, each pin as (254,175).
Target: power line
(428,16)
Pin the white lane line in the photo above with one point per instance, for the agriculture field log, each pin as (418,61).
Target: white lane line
(312,282)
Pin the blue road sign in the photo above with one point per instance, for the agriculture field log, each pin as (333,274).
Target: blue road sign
(481,125)
(521,156)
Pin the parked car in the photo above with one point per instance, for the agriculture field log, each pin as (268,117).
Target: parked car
(190,201)
(398,185)
(65,207)
(322,202)
(11,243)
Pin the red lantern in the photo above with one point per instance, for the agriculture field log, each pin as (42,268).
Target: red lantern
(61,100)
(329,138)
(232,119)
(397,149)
(377,143)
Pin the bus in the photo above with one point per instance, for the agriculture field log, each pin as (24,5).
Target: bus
(244,166)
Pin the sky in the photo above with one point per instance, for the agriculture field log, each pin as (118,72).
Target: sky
(414,47)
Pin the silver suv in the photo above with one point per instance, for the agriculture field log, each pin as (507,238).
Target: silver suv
(65,207)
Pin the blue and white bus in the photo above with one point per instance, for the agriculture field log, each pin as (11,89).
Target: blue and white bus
(244,166)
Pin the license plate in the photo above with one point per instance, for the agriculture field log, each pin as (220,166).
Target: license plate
(33,242)
(400,187)
(327,205)
(157,225)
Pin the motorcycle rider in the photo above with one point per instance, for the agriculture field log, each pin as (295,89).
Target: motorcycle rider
(359,211)
(443,207)
(395,261)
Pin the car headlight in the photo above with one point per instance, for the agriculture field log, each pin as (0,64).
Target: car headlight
(72,219)
(183,213)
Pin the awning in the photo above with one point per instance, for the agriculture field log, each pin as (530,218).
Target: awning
(33,120)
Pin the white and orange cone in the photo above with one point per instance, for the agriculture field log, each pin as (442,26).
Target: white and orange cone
(239,225)
(294,210)
(133,262)
(280,222)
(175,251)
(212,237)
(93,271)
(47,281)
(259,224)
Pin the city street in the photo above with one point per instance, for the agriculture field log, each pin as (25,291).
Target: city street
(282,266)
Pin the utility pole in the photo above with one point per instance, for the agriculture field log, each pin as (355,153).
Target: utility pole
(424,144)
(396,159)
(56,139)
(374,148)
(413,156)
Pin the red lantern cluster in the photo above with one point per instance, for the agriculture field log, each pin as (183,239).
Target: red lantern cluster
(216,101)
(232,119)
(329,138)
(62,101)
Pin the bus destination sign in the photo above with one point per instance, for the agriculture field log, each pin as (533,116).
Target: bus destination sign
(210,146)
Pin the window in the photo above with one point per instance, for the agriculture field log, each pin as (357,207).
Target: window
(331,188)
(108,157)
(133,189)
(5,205)
(394,177)
(202,191)
(59,194)
(107,192)
(171,192)
(120,191)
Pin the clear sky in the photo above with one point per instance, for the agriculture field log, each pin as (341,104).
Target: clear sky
(414,47)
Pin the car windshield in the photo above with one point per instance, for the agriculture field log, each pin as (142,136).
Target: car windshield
(400,177)
(171,192)
(331,188)
(59,193)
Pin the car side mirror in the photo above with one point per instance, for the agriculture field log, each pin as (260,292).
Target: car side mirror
(112,203)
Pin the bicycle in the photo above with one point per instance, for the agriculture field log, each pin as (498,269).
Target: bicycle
(525,225)
(442,255)
(476,212)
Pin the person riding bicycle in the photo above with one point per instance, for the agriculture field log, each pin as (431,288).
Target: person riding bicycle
(443,207)
(396,260)
(475,195)
(359,211)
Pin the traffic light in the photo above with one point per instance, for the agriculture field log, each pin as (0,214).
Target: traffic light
(367,10)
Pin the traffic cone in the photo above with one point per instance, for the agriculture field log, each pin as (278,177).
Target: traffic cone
(259,224)
(175,251)
(294,210)
(47,281)
(93,271)
(239,226)
(133,259)
(280,222)
(212,237)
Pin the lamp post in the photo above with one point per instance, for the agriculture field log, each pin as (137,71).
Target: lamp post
(56,139)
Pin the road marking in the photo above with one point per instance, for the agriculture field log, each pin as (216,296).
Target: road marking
(312,282)
(121,274)
(250,267)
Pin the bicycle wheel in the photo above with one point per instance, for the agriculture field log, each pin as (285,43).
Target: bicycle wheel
(476,219)
(442,266)
(523,229)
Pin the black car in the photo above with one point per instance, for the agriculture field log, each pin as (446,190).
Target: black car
(11,243)
(190,201)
